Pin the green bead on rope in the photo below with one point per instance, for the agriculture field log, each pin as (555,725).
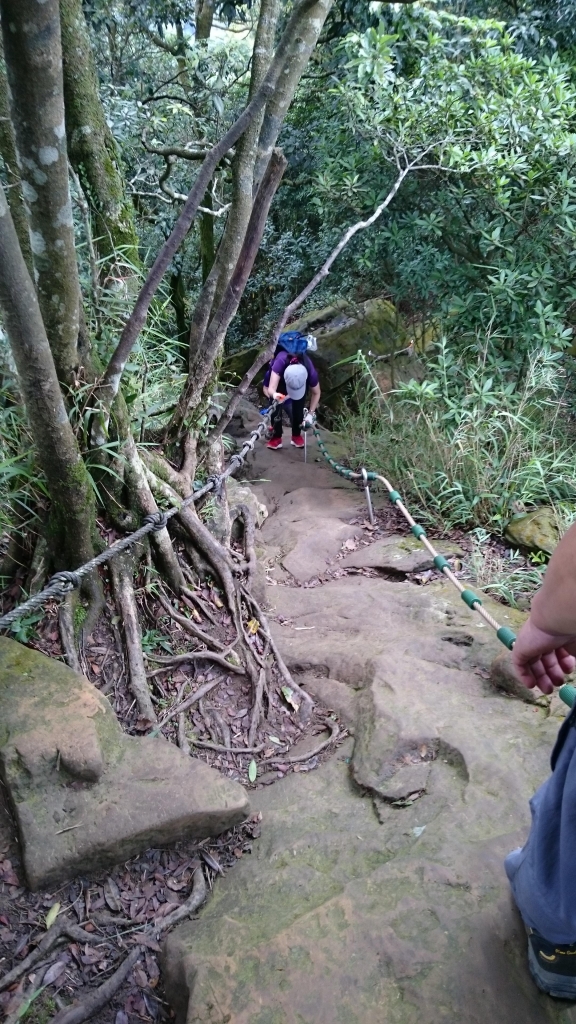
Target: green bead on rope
(418,531)
(470,598)
(567,693)
(394,496)
(506,636)
(441,563)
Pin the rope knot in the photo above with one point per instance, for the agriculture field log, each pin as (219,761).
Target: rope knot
(216,482)
(65,581)
(158,521)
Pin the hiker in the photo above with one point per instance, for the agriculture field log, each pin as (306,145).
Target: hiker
(290,373)
(543,873)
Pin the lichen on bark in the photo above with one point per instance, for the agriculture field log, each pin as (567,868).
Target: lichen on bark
(91,146)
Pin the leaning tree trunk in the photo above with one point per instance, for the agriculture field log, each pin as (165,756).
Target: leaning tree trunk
(31,32)
(91,146)
(72,504)
(8,155)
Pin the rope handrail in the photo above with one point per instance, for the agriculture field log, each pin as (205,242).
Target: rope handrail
(506,635)
(64,582)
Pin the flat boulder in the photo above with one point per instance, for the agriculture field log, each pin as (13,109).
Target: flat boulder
(399,554)
(85,795)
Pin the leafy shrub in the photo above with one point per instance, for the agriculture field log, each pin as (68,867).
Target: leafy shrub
(469,443)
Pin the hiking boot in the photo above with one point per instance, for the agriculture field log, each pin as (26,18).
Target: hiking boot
(297,440)
(275,443)
(552,965)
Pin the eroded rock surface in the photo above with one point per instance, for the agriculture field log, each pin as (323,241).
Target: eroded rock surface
(85,795)
(377,893)
(399,554)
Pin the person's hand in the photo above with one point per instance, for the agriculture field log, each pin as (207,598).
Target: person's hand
(279,397)
(309,420)
(541,659)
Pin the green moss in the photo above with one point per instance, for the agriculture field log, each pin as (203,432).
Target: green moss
(80,616)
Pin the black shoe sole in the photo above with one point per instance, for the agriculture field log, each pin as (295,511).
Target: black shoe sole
(560,986)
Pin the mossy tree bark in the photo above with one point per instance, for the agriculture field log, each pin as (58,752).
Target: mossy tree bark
(8,155)
(31,33)
(91,146)
(72,503)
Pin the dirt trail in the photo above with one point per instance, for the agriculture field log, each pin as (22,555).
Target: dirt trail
(377,893)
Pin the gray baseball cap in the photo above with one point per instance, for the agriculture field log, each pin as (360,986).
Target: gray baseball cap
(295,376)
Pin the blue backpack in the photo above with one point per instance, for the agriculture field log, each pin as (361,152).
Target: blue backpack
(293,342)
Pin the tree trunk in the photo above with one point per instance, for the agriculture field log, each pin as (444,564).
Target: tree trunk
(72,503)
(202,367)
(34,65)
(204,19)
(254,150)
(279,103)
(91,146)
(243,189)
(8,155)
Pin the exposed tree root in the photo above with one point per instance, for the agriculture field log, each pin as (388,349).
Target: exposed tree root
(306,702)
(186,704)
(66,625)
(189,626)
(257,707)
(181,659)
(98,997)
(295,758)
(182,739)
(249,522)
(196,898)
(121,569)
(229,750)
(60,930)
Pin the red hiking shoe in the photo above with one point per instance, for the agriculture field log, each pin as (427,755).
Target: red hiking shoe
(275,443)
(297,440)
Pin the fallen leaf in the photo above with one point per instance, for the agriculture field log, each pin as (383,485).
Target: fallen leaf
(350,544)
(274,739)
(54,972)
(252,771)
(51,917)
(423,750)
(112,895)
(288,695)
(253,626)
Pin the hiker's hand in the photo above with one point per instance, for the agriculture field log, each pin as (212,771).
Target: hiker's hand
(279,397)
(541,658)
(309,420)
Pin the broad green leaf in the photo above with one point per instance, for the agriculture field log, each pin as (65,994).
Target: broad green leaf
(252,771)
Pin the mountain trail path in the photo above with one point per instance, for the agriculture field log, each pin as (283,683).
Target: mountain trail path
(376,893)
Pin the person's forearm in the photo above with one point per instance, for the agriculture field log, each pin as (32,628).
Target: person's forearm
(554,607)
(314,399)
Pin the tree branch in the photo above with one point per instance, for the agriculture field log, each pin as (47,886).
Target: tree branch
(110,382)
(300,299)
(202,366)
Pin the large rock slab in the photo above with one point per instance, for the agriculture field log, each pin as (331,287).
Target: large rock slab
(84,795)
(355,619)
(310,527)
(399,554)
(337,917)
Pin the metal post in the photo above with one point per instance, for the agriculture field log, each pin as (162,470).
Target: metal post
(367,493)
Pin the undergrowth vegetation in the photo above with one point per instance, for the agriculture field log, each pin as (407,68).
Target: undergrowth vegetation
(468,442)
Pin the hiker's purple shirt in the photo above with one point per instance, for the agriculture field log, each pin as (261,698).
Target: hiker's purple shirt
(279,364)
